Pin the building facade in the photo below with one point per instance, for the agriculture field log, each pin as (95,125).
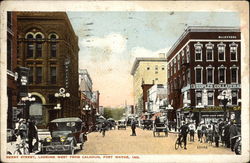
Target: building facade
(146,71)
(157,95)
(48,46)
(12,91)
(202,63)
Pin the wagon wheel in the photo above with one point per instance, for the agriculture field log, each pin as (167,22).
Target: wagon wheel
(72,148)
(176,144)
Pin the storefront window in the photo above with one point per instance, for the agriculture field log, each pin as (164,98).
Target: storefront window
(234,97)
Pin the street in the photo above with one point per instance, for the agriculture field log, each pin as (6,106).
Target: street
(120,142)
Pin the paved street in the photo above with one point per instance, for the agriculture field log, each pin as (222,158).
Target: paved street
(120,142)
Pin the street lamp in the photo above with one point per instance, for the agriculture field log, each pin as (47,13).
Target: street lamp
(61,95)
(27,100)
(225,97)
(86,109)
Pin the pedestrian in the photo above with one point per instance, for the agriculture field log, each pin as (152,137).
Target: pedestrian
(191,131)
(227,135)
(216,135)
(199,132)
(184,131)
(233,133)
(32,134)
(133,127)
(203,132)
(103,128)
(22,129)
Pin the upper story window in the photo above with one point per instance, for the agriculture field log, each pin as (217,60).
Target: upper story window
(234,98)
(178,62)
(222,74)
(221,52)
(148,68)
(234,74)
(156,67)
(188,77)
(174,64)
(187,54)
(198,98)
(34,44)
(53,75)
(198,74)
(233,52)
(182,57)
(210,51)
(198,51)
(31,78)
(210,74)
(53,44)
(38,75)
(210,98)
(162,67)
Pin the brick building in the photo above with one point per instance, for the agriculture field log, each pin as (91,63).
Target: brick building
(12,92)
(48,46)
(201,64)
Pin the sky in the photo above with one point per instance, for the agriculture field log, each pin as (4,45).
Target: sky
(109,42)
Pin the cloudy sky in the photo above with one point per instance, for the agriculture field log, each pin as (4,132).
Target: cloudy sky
(110,41)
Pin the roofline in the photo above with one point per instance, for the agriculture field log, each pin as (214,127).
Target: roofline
(140,59)
(202,29)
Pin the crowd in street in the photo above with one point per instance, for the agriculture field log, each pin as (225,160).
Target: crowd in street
(25,132)
(221,133)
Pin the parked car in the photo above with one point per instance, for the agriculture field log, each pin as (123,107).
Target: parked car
(111,123)
(121,124)
(66,135)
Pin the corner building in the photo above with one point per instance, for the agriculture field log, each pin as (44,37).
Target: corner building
(201,64)
(48,46)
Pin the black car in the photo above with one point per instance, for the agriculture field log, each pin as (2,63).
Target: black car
(66,134)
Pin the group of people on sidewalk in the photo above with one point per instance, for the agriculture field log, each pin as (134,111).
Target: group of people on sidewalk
(26,131)
(224,132)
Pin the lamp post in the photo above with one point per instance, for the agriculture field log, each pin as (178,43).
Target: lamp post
(61,95)
(225,97)
(27,100)
(86,110)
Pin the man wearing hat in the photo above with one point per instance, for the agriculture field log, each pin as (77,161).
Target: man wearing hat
(233,133)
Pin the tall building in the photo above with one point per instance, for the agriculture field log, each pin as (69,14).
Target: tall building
(12,92)
(157,95)
(48,46)
(146,72)
(203,63)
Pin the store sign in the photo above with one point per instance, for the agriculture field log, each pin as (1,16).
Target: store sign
(214,86)
(66,64)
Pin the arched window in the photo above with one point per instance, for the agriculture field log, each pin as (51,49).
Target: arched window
(38,45)
(53,45)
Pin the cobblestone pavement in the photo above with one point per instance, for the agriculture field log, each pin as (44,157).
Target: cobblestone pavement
(120,142)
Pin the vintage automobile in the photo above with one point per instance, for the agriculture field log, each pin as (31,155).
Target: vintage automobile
(121,124)
(66,135)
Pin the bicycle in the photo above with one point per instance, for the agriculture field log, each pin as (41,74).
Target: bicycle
(22,148)
(178,142)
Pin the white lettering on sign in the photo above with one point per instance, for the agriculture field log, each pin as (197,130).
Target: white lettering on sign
(227,37)
(216,86)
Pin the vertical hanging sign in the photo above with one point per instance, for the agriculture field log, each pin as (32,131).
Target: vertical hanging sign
(66,64)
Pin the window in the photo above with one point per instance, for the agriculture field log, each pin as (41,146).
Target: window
(53,50)
(156,78)
(234,98)
(198,97)
(222,75)
(148,68)
(221,52)
(184,80)
(38,75)
(198,75)
(187,54)
(9,53)
(9,20)
(198,51)
(210,98)
(53,75)
(188,77)
(30,50)
(210,75)
(156,67)
(30,80)
(209,52)
(162,67)
(39,50)
(234,75)
(156,72)
(233,52)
